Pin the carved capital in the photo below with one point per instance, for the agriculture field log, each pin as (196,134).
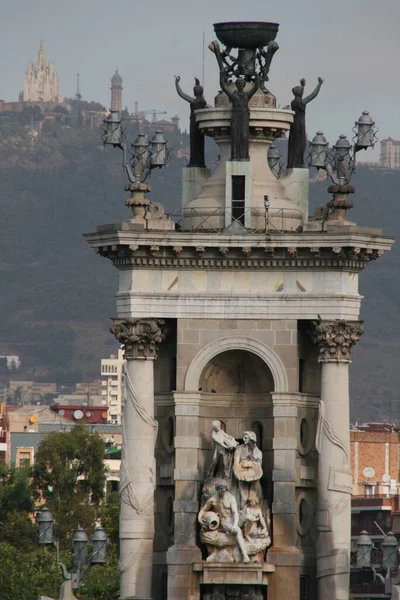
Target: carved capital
(336,339)
(140,337)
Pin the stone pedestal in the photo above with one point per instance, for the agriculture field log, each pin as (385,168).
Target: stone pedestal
(297,183)
(193,179)
(335,340)
(138,470)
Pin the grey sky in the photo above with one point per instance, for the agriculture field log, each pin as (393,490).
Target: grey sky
(353,44)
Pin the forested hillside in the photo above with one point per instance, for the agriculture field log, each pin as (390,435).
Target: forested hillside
(57,296)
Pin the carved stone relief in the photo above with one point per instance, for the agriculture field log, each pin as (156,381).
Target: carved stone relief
(234,517)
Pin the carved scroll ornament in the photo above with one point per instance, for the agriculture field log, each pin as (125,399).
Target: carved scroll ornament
(139,336)
(336,339)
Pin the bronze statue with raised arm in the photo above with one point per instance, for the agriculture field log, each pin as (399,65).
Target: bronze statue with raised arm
(196,136)
(297,135)
(240,118)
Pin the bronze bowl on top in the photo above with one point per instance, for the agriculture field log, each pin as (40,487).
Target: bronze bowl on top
(246,34)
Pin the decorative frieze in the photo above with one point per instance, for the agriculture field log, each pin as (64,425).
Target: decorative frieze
(152,256)
(336,339)
(139,337)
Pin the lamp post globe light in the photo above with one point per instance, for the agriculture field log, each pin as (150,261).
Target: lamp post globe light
(80,550)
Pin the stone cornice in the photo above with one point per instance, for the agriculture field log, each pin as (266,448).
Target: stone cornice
(130,248)
(201,257)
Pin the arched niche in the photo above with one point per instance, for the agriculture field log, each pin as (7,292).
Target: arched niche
(271,361)
(236,372)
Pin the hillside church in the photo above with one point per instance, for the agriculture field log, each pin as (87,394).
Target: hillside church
(41,80)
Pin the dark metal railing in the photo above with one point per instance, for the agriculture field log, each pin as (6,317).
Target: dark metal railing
(217,219)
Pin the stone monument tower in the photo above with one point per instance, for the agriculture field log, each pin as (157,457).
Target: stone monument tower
(238,327)
(116,91)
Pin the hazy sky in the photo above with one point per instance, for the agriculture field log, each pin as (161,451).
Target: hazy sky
(353,44)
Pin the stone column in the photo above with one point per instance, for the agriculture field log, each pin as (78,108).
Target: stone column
(140,338)
(335,340)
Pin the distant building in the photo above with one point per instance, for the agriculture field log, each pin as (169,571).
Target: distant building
(390,153)
(116,91)
(31,390)
(89,388)
(112,383)
(13,361)
(41,80)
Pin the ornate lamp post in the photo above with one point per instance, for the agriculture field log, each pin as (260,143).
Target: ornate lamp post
(80,543)
(340,162)
(146,155)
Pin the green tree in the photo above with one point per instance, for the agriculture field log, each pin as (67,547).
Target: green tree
(69,473)
(16,506)
(109,517)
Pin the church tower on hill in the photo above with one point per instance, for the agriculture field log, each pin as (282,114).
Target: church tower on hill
(41,80)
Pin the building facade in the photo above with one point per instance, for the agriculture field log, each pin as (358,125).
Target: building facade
(390,153)
(112,381)
(41,83)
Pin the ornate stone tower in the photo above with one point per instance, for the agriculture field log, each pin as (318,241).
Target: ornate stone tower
(116,91)
(41,80)
(238,326)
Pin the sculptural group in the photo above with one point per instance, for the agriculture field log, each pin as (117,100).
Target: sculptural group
(234,517)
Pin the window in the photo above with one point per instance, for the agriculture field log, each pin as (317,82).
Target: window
(238,197)
(24,457)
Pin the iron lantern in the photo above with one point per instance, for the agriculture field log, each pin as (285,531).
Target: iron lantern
(112,133)
(80,547)
(319,150)
(364,550)
(342,150)
(158,150)
(364,130)
(274,160)
(140,148)
(389,550)
(45,524)
(99,546)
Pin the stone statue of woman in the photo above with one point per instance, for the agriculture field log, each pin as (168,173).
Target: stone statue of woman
(240,117)
(297,135)
(196,136)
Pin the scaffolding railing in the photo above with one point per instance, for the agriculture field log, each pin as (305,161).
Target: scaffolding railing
(253,220)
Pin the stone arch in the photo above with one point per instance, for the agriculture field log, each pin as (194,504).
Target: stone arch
(207,353)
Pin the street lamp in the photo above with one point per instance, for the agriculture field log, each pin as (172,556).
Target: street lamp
(389,551)
(146,155)
(45,524)
(364,550)
(340,163)
(80,543)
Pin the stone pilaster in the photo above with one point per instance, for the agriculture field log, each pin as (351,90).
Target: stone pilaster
(284,553)
(140,338)
(335,340)
(182,581)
